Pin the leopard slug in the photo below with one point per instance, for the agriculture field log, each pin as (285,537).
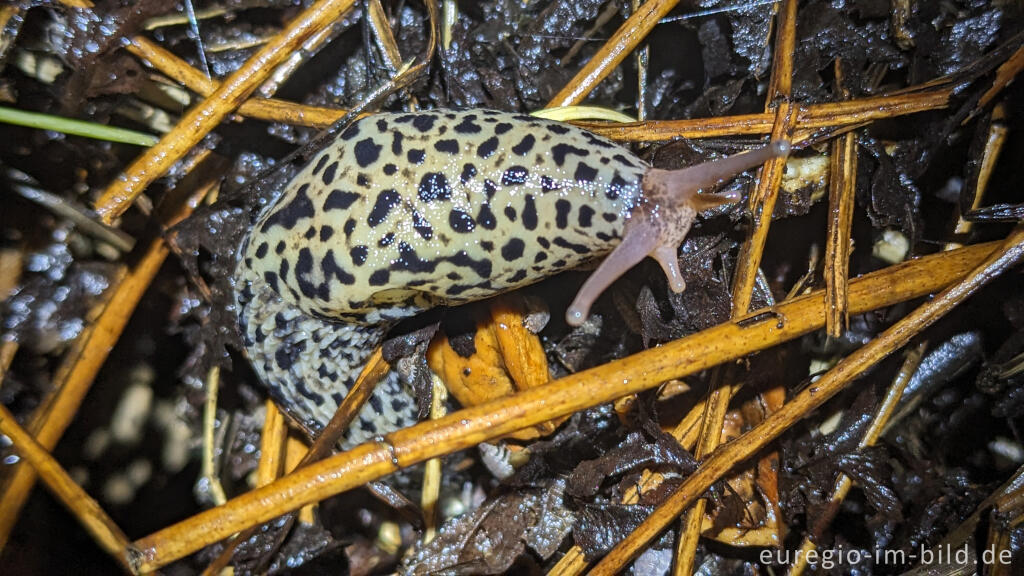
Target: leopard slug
(403,212)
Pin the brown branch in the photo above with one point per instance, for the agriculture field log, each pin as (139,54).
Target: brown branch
(268,109)
(808,117)
(613,52)
(80,366)
(762,201)
(87,511)
(468,427)
(842,184)
(811,398)
(206,115)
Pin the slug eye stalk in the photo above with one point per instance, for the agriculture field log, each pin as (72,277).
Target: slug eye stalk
(659,223)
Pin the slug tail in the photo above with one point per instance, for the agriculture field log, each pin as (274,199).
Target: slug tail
(659,224)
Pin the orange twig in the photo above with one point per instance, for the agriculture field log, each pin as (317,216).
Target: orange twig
(613,52)
(88,512)
(204,116)
(844,373)
(470,426)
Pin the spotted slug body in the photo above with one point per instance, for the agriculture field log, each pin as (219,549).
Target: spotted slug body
(404,212)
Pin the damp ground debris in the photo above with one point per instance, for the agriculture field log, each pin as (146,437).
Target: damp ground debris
(842,375)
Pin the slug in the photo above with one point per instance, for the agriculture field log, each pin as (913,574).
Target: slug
(404,212)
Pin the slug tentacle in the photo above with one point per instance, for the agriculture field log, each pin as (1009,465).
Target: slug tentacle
(659,223)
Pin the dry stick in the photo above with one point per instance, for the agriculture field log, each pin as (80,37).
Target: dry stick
(1003,497)
(808,117)
(834,381)
(1005,74)
(781,82)
(88,512)
(269,109)
(80,366)
(375,369)
(8,348)
(613,52)
(272,443)
(843,482)
(997,132)
(83,4)
(204,116)
(762,205)
(384,35)
(471,426)
(432,475)
(685,432)
(842,184)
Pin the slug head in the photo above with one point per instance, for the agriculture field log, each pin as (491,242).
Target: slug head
(660,221)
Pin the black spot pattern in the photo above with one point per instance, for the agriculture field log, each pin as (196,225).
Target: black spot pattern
(421,226)
(424,122)
(340,200)
(530,213)
(461,222)
(616,188)
(586,216)
(303,266)
(481,267)
(331,270)
(359,254)
(561,150)
(386,200)
(490,188)
(288,216)
(410,261)
(525,145)
(350,132)
(328,175)
(468,125)
(482,178)
(514,175)
(513,249)
(434,186)
(562,209)
(577,248)
(485,218)
(321,163)
(585,173)
(447,145)
(487,147)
